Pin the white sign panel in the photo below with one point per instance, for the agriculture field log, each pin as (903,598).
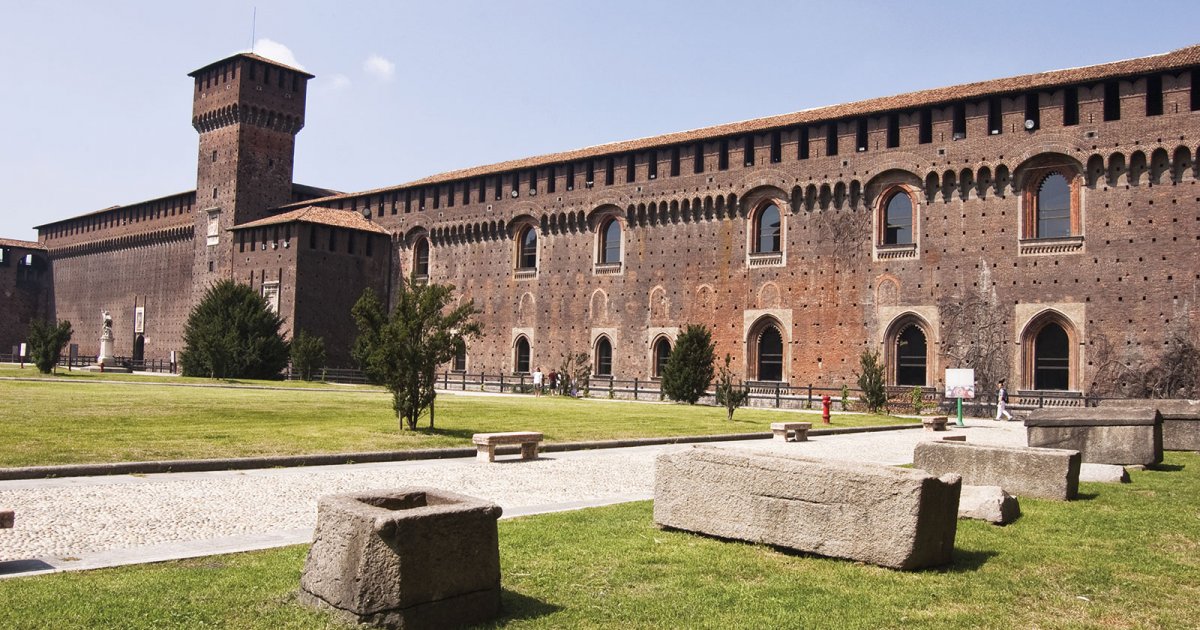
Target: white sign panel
(960,383)
(139,319)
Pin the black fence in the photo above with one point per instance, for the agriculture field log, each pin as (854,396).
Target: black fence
(82,361)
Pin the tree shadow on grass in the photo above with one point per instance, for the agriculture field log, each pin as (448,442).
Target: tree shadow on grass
(516,607)
(1166,467)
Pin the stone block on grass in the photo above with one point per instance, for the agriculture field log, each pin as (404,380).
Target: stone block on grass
(988,503)
(1180,420)
(892,517)
(1103,435)
(1034,472)
(1103,473)
(407,558)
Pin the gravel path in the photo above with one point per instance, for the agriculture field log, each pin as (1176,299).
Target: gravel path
(87,522)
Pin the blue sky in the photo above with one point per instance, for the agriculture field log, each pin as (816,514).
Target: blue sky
(97,105)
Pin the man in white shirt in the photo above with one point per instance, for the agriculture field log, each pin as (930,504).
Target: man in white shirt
(537,381)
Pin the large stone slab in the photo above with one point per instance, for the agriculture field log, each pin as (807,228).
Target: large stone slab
(1180,420)
(988,503)
(892,517)
(1103,473)
(407,558)
(1103,435)
(1046,473)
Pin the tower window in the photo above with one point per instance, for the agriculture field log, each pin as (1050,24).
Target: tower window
(831,138)
(609,171)
(893,131)
(551,178)
(698,157)
(748,150)
(959,126)
(652,165)
(421,258)
(590,173)
(1053,210)
(767,230)
(610,242)
(570,176)
(776,147)
(1195,90)
(527,252)
(1070,106)
(925,126)
(349,242)
(1033,110)
(630,168)
(995,116)
(860,135)
(1112,100)
(674,161)
(802,144)
(898,220)
(1154,95)
(214,156)
(723,155)
(604,357)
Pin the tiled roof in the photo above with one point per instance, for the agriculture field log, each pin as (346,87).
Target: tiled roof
(253,56)
(321,216)
(1178,59)
(118,207)
(12,242)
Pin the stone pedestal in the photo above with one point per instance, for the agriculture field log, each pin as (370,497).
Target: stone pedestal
(407,558)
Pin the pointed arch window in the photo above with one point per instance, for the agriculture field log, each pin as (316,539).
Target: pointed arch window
(1052,358)
(421,258)
(527,252)
(911,357)
(521,356)
(604,357)
(770,355)
(662,352)
(767,230)
(610,242)
(460,358)
(1053,207)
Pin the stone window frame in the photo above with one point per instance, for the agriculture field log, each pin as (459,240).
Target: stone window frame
(891,349)
(753,338)
(516,355)
(896,251)
(520,228)
(1029,335)
(1029,243)
(655,372)
(417,272)
(596,354)
(270,291)
(600,266)
(757,259)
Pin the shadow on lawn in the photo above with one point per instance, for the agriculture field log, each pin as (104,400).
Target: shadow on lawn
(515,606)
(1166,467)
(966,561)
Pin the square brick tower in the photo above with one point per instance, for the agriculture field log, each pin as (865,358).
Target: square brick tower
(247,110)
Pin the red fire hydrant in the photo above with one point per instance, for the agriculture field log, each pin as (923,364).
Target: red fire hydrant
(826,403)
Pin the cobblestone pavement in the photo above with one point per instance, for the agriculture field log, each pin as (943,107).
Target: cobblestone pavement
(88,522)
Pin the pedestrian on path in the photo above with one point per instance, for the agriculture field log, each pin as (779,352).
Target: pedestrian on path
(1002,402)
(537,381)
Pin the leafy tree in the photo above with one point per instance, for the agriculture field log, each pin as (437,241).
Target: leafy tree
(917,398)
(403,351)
(575,372)
(308,355)
(730,394)
(689,368)
(870,381)
(46,342)
(233,333)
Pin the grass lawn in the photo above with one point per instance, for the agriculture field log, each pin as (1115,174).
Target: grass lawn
(82,376)
(46,423)
(1123,556)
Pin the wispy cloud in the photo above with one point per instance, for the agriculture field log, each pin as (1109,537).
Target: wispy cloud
(379,67)
(338,82)
(276,51)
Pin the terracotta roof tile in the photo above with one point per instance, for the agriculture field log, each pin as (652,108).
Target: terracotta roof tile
(12,242)
(321,216)
(1178,59)
(250,56)
(173,197)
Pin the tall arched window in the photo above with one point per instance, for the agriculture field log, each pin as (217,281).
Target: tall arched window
(521,356)
(898,220)
(460,358)
(610,242)
(421,257)
(767,230)
(604,357)
(911,352)
(770,355)
(527,256)
(1053,207)
(1052,358)
(662,351)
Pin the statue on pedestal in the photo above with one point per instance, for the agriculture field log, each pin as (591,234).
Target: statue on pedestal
(106,337)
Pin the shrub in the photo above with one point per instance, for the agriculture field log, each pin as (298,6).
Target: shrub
(308,355)
(917,397)
(233,333)
(845,397)
(870,381)
(689,368)
(729,394)
(46,342)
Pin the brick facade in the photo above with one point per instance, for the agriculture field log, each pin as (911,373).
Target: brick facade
(971,160)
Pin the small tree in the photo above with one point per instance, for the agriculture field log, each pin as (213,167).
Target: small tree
(730,394)
(233,333)
(917,398)
(845,397)
(403,351)
(308,355)
(575,371)
(689,368)
(46,342)
(870,381)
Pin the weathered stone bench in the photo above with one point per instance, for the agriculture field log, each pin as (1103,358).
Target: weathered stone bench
(406,558)
(791,431)
(1027,472)
(7,519)
(1180,420)
(486,443)
(936,423)
(893,517)
(1103,435)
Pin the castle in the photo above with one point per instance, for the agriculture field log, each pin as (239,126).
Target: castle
(1048,224)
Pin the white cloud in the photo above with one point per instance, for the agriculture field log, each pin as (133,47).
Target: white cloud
(275,51)
(379,67)
(338,82)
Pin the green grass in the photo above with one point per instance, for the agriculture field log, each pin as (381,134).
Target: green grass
(83,376)
(68,422)
(1124,556)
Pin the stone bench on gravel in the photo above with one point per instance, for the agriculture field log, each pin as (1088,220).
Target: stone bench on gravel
(1180,420)
(790,431)
(7,519)
(486,443)
(1103,435)
(892,517)
(407,558)
(1034,472)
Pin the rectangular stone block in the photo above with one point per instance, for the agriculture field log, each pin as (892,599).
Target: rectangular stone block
(892,517)
(1180,420)
(1046,473)
(411,557)
(1102,435)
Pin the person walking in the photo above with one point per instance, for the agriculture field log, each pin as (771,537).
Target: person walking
(1002,402)
(537,381)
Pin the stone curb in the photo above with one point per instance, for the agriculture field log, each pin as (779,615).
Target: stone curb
(334,459)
